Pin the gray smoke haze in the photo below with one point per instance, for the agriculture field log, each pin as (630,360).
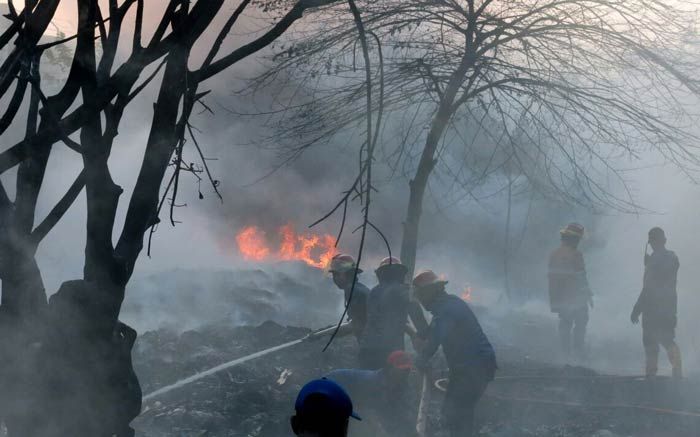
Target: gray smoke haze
(464,241)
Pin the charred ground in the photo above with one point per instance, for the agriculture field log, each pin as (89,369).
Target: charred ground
(529,398)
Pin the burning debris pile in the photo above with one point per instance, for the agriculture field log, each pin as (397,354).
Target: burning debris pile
(312,249)
(256,398)
(185,299)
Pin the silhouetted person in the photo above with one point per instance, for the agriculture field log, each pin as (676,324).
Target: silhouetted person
(569,293)
(383,393)
(323,409)
(343,268)
(387,315)
(470,356)
(658,304)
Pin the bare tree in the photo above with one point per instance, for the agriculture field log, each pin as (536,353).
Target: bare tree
(547,93)
(67,363)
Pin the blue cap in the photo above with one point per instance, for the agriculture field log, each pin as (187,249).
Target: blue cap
(338,401)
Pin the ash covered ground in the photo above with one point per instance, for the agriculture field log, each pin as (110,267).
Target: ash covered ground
(531,397)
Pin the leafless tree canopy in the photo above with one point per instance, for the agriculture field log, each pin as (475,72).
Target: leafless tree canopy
(553,91)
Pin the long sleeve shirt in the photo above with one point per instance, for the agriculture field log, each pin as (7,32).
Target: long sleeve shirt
(455,327)
(568,282)
(387,314)
(357,311)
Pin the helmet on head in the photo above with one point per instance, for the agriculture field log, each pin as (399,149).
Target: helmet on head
(334,400)
(427,283)
(343,263)
(388,261)
(574,230)
(400,360)
(391,262)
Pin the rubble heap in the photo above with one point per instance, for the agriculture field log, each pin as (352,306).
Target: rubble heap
(255,398)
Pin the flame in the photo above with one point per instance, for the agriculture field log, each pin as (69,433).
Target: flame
(314,250)
(467,294)
(251,244)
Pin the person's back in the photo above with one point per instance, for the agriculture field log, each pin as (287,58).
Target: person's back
(660,278)
(357,309)
(464,342)
(382,395)
(387,315)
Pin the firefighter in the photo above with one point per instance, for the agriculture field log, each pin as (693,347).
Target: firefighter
(322,409)
(343,268)
(469,354)
(569,293)
(658,303)
(383,394)
(387,315)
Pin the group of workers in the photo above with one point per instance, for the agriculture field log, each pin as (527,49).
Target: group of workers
(571,297)
(379,319)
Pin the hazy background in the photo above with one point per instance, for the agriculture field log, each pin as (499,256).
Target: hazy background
(463,241)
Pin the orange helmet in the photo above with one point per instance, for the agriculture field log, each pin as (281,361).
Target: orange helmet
(427,278)
(343,263)
(572,230)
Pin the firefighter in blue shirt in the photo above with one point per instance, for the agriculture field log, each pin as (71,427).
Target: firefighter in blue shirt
(469,354)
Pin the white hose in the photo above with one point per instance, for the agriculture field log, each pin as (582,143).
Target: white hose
(217,369)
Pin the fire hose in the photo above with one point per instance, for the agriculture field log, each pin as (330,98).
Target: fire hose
(227,365)
(440,384)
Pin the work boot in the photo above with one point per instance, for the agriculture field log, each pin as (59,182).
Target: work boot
(674,356)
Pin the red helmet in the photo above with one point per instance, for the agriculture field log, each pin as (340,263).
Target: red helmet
(427,278)
(343,263)
(400,360)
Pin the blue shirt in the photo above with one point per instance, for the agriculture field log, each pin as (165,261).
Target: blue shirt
(363,386)
(456,329)
(387,314)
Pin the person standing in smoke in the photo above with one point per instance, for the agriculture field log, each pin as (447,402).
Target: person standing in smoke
(387,315)
(569,293)
(469,354)
(343,268)
(658,305)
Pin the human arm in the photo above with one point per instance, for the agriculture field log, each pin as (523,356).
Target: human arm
(439,328)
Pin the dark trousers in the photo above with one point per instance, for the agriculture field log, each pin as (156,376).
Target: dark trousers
(465,388)
(573,320)
(664,335)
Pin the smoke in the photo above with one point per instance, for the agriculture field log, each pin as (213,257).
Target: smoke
(464,240)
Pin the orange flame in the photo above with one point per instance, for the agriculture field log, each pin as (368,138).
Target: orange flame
(314,250)
(251,244)
(467,294)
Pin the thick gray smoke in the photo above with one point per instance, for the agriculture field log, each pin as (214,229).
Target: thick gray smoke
(464,241)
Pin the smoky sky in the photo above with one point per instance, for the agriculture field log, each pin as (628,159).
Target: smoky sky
(464,241)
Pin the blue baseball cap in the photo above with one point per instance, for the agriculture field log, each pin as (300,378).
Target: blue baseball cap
(336,401)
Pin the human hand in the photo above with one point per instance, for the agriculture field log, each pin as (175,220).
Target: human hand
(634,318)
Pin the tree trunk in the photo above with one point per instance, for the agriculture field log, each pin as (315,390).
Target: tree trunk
(417,186)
